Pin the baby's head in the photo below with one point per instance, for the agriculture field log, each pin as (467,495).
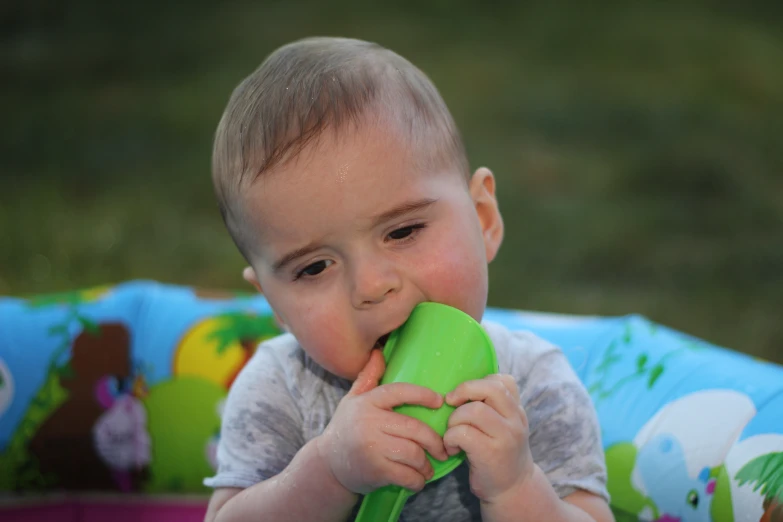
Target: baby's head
(343,180)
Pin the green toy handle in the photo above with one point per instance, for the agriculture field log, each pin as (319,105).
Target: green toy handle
(383,505)
(438,347)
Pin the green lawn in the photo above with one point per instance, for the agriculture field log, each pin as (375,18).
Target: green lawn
(638,146)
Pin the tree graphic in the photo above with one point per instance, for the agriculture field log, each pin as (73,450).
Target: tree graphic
(247,329)
(765,472)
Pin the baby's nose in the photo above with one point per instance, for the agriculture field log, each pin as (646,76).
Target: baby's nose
(373,283)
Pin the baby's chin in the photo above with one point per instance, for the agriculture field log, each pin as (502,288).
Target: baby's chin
(348,370)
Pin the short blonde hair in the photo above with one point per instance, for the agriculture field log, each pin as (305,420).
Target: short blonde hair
(311,85)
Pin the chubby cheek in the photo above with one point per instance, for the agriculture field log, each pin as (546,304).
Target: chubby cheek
(323,331)
(457,278)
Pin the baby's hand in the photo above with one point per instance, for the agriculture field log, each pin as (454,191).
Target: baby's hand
(367,445)
(492,429)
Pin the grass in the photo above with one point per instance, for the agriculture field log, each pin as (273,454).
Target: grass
(638,146)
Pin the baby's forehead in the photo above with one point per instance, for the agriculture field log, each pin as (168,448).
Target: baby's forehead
(340,184)
(359,158)
(362,149)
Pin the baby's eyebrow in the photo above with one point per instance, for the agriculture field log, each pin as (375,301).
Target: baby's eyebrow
(294,254)
(401,210)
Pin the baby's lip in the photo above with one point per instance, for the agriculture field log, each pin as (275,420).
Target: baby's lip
(381,342)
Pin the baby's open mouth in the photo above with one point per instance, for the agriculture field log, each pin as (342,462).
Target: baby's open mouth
(381,342)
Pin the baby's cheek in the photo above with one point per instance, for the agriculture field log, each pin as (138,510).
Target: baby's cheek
(459,281)
(317,322)
(320,330)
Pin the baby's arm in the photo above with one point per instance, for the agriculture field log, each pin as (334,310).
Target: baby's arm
(538,501)
(365,446)
(305,490)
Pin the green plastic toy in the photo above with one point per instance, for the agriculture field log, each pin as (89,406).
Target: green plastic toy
(438,347)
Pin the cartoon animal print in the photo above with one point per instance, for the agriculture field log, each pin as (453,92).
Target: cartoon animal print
(121,439)
(64,445)
(661,466)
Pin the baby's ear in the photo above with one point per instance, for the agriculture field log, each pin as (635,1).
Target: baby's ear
(482,191)
(249,275)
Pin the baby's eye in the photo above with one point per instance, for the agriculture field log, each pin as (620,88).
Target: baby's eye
(314,269)
(402,233)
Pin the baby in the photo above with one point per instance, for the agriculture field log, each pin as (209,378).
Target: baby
(343,180)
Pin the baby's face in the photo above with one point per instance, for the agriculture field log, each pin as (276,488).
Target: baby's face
(350,236)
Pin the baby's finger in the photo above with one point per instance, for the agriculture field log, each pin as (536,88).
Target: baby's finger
(491,391)
(466,438)
(508,381)
(399,425)
(409,453)
(481,416)
(398,393)
(405,476)
(370,375)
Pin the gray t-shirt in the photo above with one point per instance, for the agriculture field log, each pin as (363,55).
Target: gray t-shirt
(282,399)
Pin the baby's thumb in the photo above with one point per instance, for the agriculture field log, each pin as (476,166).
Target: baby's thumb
(370,375)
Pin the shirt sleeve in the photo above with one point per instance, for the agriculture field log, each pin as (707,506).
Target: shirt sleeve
(565,437)
(261,429)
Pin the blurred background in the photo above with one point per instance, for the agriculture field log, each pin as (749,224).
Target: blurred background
(638,146)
